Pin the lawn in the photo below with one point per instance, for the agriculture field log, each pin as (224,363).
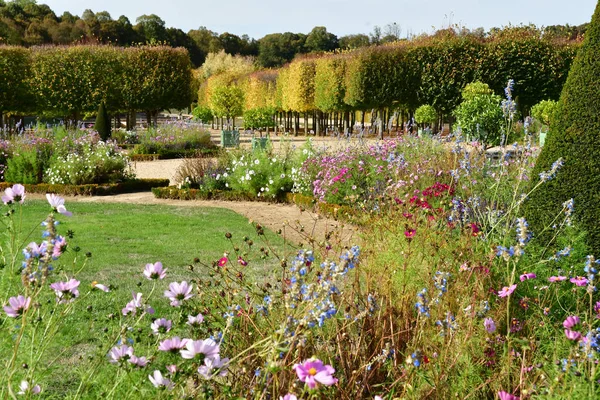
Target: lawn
(111,244)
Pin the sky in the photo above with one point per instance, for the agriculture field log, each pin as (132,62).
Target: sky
(256,18)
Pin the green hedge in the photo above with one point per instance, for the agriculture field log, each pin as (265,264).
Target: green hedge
(174,193)
(574,137)
(15,91)
(136,185)
(171,155)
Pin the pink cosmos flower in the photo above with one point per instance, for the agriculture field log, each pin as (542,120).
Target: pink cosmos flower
(120,353)
(529,275)
(490,325)
(100,286)
(179,292)
(17,306)
(507,291)
(208,347)
(133,305)
(172,369)
(213,366)
(378,398)
(222,261)
(139,362)
(35,251)
(410,233)
(14,194)
(195,321)
(572,335)
(557,278)
(161,326)
(26,388)
(58,203)
(507,396)
(60,245)
(289,396)
(579,281)
(172,345)
(159,381)
(155,271)
(66,292)
(313,370)
(571,321)
(242,262)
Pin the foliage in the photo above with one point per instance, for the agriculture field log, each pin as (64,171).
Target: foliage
(260,90)
(30,157)
(227,101)
(259,118)
(102,124)
(173,137)
(330,83)
(425,114)
(298,86)
(15,93)
(573,140)
(221,62)
(203,114)
(544,111)
(480,116)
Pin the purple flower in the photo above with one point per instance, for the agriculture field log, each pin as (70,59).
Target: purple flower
(100,286)
(208,347)
(155,271)
(60,245)
(159,381)
(507,291)
(579,281)
(178,292)
(66,291)
(27,388)
(507,396)
(14,194)
(133,305)
(289,396)
(161,326)
(119,354)
(557,278)
(313,370)
(35,251)
(172,345)
(139,362)
(17,305)
(490,325)
(213,366)
(572,335)
(58,203)
(571,321)
(195,321)
(529,275)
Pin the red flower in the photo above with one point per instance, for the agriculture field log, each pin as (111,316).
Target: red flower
(223,261)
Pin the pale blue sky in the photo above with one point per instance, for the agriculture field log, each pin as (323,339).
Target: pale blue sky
(260,17)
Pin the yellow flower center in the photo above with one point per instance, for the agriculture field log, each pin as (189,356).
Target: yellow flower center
(312,371)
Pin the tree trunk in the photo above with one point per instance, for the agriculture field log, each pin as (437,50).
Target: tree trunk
(381,124)
(305,124)
(362,120)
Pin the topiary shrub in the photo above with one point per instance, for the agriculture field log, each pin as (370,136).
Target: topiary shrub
(102,124)
(480,115)
(574,136)
(425,114)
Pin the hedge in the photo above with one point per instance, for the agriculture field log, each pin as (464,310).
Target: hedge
(136,185)
(171,155)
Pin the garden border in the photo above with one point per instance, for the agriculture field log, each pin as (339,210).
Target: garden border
(102,189)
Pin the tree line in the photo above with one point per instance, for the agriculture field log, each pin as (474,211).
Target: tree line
(26,23)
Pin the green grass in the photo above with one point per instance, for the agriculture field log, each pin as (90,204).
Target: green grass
(122,239)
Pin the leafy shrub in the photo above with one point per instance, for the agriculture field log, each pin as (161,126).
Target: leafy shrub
(176,136)
(544,111)
(203,114)
(480,115)
(425,114)
(258,118)
(573,139)
(201,173)
(29,161)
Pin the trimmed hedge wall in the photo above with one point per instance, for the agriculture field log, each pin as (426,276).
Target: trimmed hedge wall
(575,136)
(136,185)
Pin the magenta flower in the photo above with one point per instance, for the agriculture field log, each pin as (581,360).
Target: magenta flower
(155,271)
(410,233)
(119,354)
(66,292)
(27,388)
(507,396)
(179,292)
(289,396)
(529,275)
(213,366)
(507,291)
(208,347)
(159,381)
(571,321)
(195,321)
(579,281)
(161,326)
(14,194)
(490,325)
(17,306)
(557,278)
(172,345)
(58,203)
(222,261)
(139,362)
(572,335)
(242,262)
(312,371)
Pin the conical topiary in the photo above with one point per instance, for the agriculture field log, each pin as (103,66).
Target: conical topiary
(575,137)
(102,124)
